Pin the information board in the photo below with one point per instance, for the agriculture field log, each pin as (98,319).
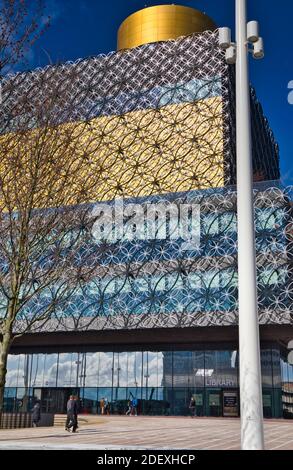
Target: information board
(230,404)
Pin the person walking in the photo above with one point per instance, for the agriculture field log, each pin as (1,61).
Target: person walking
(36,414)
(107,406)
(192,407)
(129,409)
(134,406)
(102,406)
(77,410)
(71,421)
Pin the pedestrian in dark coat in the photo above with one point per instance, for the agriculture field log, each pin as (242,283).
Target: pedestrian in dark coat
(192,407)
(71,421)
(36,414)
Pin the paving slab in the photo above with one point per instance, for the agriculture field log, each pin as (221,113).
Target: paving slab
(142,432)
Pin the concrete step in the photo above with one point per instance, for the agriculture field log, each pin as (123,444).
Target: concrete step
(60,419)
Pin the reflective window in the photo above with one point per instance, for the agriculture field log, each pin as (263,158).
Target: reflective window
(213,402)
(38,370)
(89,400)
(50,370)
(106,394)
(24,398)
(9,399)
(27,369)
(198,394)
(182,368)
(133,392)
(181,399)
(92,369)
(276,364)
(221,369)
(135,369)
(290,373)
(197,369)
(68,370)
(148,374)
(105,368)
(162,381)
(167,359)
(287,388)
(152,368)
(15,370)
(284,371)
(266,367)
(81,369)
(188,369)
(123,370)
(119,393)
(120,371)
(146,393)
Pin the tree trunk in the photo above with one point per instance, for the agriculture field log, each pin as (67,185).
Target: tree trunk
(4,350)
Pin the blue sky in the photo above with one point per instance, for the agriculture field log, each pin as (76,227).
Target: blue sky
(80,28)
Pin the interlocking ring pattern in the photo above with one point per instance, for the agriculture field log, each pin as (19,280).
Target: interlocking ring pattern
(148,284)
(153,124)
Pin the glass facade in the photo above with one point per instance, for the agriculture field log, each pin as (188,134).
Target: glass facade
(287,387)
(159,282)
(162,381)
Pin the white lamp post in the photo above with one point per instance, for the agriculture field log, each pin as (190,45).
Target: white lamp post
(249,345)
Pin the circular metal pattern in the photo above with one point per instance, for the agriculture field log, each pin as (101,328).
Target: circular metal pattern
(150,125)
(154,284)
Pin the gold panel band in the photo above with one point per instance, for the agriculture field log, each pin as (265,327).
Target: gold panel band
(176,148)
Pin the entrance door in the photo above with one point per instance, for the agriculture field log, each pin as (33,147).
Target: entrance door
(54,400)
(213,402)
(230,403)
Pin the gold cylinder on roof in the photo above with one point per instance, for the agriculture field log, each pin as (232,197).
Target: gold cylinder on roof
(160,23)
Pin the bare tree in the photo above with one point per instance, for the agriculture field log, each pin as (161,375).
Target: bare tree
(43,228)
(21,24)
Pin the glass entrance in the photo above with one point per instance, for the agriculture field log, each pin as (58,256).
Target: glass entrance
(213,402)
(54,400)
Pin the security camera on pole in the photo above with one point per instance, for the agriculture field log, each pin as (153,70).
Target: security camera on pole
(247,40)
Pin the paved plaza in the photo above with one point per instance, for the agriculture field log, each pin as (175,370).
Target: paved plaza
(121,432)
